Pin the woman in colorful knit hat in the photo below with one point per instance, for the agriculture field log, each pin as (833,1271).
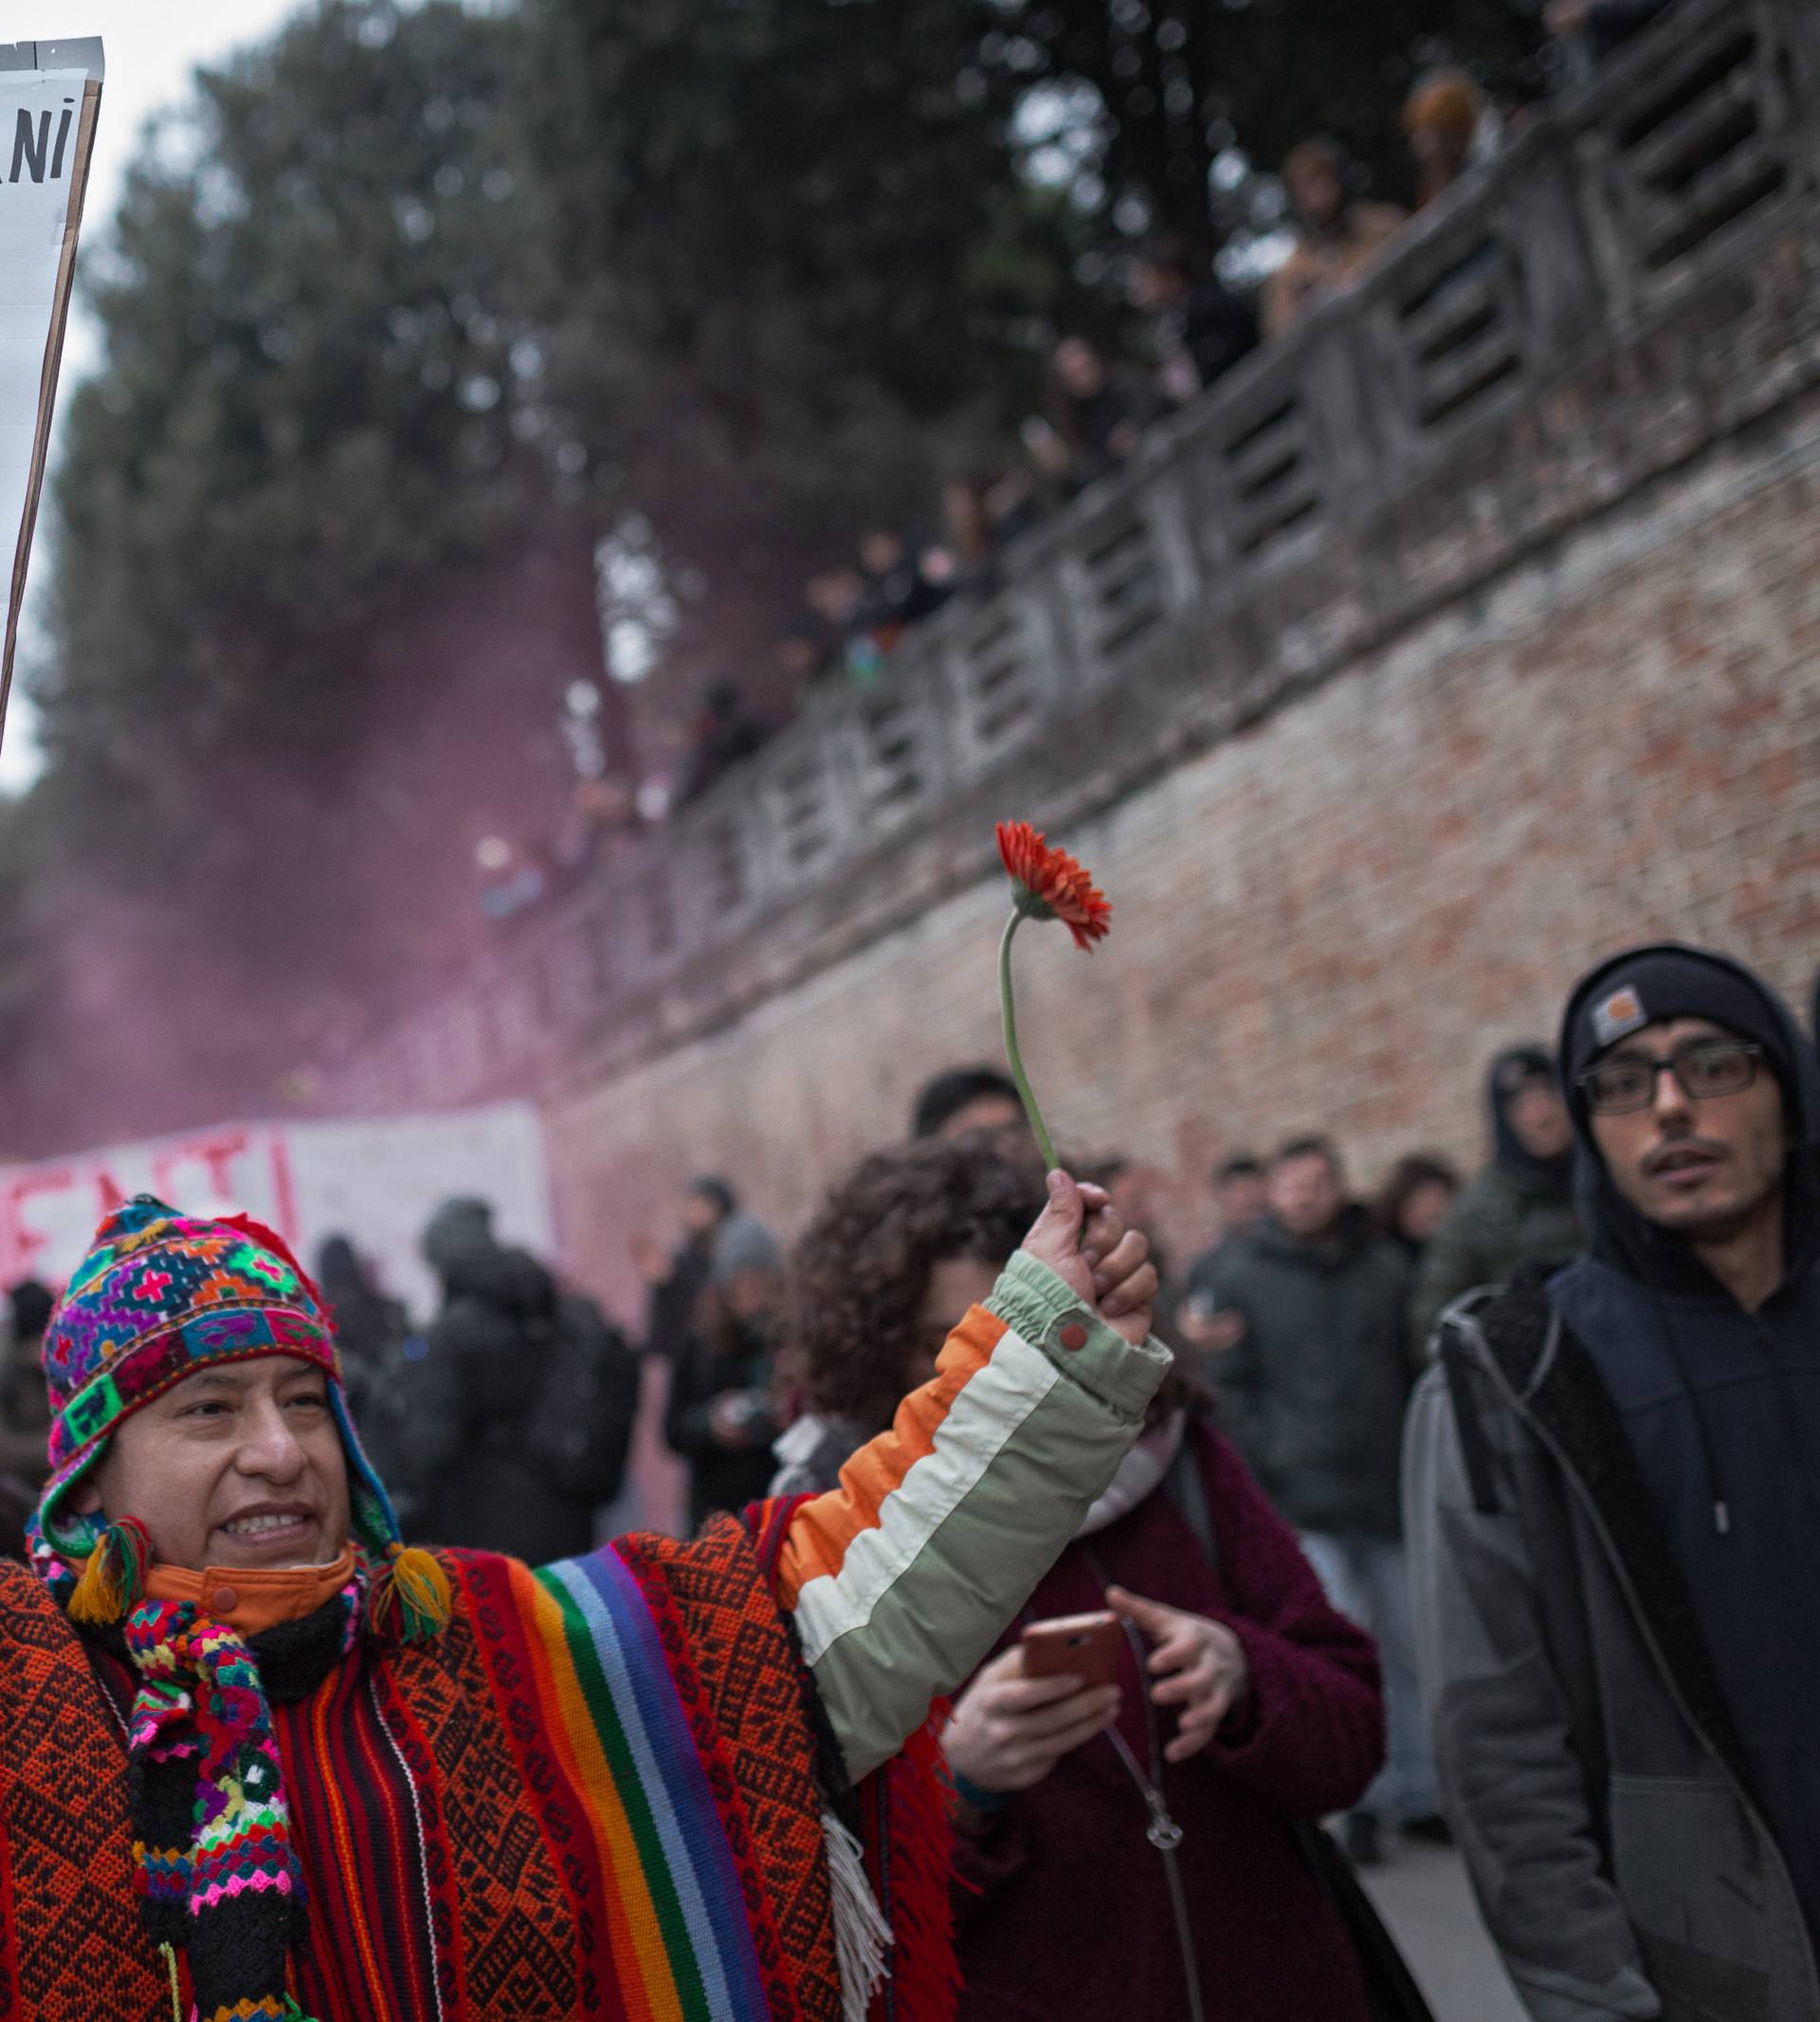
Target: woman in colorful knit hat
(260,1760)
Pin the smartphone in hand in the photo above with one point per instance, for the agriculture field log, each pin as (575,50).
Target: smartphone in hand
(1075,1645)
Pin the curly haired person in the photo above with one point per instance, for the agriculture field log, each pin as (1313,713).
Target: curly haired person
(899,1251)
(1246,1708)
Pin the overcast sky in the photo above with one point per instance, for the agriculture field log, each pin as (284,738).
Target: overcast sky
(151,51)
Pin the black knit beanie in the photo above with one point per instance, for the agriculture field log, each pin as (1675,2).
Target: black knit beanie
(1647,986)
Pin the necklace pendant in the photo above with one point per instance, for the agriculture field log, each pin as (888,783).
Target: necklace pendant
(1163,1833)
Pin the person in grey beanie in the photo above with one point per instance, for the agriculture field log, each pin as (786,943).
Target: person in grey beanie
(1611,1486)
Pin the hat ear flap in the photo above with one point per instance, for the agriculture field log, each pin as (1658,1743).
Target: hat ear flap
(376,1523)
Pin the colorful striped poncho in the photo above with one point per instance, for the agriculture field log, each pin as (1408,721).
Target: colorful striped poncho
(594,1795)
(620,1787)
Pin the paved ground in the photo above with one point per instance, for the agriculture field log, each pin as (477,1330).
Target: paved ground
(1421,1893)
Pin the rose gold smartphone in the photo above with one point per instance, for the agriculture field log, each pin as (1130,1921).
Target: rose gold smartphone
(1080,1646)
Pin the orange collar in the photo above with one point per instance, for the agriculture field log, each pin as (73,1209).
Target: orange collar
(252,1598)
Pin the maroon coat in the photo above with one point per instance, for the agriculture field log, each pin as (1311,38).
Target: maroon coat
(1062,1904)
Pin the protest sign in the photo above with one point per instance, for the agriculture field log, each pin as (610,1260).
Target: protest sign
(50,93)
(374,1179)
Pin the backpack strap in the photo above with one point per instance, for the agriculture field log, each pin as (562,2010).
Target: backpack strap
(1519,1317)
(1475,1447)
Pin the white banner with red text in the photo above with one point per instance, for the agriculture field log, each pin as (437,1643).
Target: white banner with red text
(375,1180)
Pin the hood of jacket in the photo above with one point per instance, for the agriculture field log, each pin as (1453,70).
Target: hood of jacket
(507,1281)
(1621,1237)
(1505,1075)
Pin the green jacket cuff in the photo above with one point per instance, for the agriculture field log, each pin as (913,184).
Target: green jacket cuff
(1037,1306)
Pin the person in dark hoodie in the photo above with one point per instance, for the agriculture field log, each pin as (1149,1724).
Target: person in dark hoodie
(24,1410)
(1313,1394)
(1612,1486)
(517,1422)
(1519,1210)
(372,1331)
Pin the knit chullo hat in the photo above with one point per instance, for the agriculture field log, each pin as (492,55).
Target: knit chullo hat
(157,1298)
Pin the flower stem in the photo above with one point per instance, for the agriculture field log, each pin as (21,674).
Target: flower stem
(1008,1012)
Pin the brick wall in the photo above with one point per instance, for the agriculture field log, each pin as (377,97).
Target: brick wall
(1331,919)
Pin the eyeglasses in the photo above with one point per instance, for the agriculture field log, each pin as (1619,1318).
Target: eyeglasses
(1707,1068)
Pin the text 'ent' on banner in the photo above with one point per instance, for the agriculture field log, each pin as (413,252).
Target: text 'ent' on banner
(50,93)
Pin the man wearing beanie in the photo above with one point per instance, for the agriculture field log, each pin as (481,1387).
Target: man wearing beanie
(1520,1209)
(1612,1491)
(259,1759)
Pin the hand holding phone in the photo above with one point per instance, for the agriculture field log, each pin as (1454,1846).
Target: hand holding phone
(1074,1646)
(1009,1729)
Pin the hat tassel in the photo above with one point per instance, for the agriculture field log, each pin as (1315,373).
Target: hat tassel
(412,1582)
(113,1579)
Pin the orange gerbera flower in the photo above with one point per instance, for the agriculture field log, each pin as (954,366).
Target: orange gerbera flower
(1045,884)
(1051,884)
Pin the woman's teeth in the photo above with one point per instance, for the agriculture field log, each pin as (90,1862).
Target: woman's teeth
(251,1527)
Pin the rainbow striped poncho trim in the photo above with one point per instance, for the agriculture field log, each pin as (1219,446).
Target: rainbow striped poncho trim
(681,1933)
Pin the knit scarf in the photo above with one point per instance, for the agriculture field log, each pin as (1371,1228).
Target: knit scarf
(214,1868)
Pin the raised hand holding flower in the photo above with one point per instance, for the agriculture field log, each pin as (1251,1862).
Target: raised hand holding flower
(1045,884)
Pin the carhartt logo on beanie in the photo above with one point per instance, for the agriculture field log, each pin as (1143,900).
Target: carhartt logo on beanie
(1653,985)
(1621,1011)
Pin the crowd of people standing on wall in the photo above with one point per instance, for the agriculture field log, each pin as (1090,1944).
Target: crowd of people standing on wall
(1187,323)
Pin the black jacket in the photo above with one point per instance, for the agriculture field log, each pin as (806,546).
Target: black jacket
(1314,1394)
(669,1307)
(469,1454)
(1214,326)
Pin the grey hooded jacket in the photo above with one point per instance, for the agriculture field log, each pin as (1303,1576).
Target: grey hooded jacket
(1617,1755)
(1595,1781)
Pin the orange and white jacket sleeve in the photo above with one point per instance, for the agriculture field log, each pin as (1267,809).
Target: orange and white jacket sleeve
(901,1579)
